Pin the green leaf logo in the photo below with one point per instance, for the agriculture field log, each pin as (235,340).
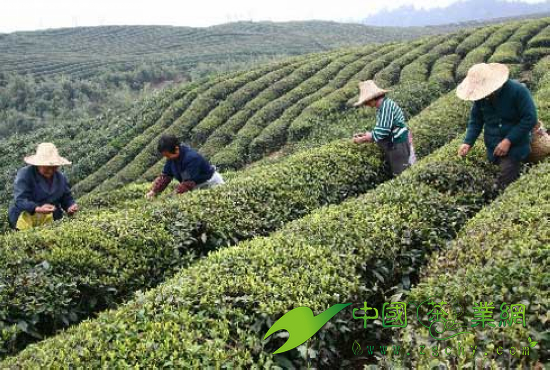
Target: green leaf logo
(301,324)
(356,348)
(532,344)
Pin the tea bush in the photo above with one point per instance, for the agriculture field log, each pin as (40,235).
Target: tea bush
(183,228)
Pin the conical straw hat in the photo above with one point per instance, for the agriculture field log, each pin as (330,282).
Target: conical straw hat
(46,155)
(368,91)
(482,80)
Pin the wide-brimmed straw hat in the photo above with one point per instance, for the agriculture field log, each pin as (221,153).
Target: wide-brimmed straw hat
(482,80)
(46,155)
(368,91)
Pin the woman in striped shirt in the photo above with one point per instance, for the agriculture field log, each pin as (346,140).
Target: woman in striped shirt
(390,133)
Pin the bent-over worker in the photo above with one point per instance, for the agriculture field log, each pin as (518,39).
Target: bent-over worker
(391,133)
(505,110)
(190,168)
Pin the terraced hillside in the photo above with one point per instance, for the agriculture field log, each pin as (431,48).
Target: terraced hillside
(83,51)
(291,106)
(240,118)
(94,139)
(307,228)
(56,77)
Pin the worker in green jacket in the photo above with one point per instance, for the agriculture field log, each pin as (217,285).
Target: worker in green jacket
(505,110)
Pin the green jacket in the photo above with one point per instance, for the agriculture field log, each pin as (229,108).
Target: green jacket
(512,115)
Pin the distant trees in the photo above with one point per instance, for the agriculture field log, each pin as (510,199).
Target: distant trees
(28,102)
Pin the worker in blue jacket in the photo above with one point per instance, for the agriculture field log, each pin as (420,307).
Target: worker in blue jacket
(41,192)
(190,168)
(505,110)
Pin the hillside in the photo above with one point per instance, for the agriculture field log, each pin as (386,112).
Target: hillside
(239,118)
(318,225)
(457,12)
(85,51)
(50,79)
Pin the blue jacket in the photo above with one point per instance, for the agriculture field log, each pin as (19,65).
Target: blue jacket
(189,166)
(513,115)
(31,190)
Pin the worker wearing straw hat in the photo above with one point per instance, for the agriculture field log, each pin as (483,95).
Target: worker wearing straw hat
(391,132)
(41,192)
(505,110)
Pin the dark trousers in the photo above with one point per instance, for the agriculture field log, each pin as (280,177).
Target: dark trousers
(509,171)
(397,155)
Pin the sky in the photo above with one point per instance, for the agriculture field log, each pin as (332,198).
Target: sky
(25,15)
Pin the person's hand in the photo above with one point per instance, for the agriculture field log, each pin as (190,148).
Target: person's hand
(45,209)
(150,195)
(502,148)
(362,138)
(185,186)
(73,209)
(464,149)
(367,137)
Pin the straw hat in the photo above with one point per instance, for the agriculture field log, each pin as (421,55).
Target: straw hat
(46,155)
(482,80)
(368,91)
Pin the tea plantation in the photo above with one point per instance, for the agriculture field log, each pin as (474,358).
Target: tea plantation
(306,218)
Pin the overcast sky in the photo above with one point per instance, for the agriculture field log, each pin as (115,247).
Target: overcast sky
(16,15)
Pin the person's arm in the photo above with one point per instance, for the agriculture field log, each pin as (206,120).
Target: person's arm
(193,171)
(23,193)
(384,120)
(185,187)
(162,181)
(475,125)
(362,138)
(67,200)
(528,116)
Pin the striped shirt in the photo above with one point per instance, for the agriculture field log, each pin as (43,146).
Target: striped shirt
(390,120)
